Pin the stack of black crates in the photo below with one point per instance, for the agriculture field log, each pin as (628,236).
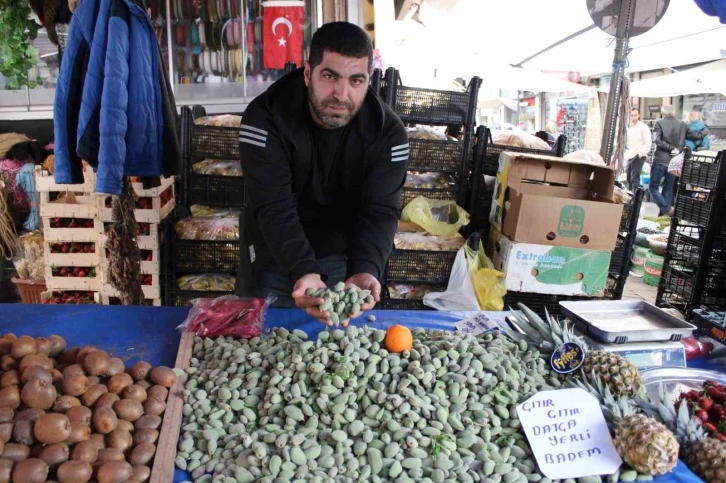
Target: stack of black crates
(429,107)
(694,266)
(189,257)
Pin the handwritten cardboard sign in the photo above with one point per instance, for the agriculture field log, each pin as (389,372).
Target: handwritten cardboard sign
(568,434)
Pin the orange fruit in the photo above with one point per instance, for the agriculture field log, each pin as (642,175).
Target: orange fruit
(398,339)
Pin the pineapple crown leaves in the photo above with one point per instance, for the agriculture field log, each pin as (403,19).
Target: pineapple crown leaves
(686,428)
(546,335)
(613,409)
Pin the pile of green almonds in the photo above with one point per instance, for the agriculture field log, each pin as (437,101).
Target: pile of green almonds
(283,408)
(340,302)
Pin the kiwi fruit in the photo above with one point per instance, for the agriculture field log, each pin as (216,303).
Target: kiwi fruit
(38,394)
(99,440)
(144,384)
(23,433)
(5,346)
(81,357)
(142,454)
(64,403)
(124,425)
(9,378)
(54,454)
(23,346)
(57,345)
(73,370)
(10,397)
(140,370)
(79,414)
(104,420)
(148,422)
(141,473)
(157,392)
(110,454)
(79,432)
(35,360)
(90,397)
(8,363)
(36,372)
(119,382)
(31,470)
(6,431)
(57,377)
(154,407)
(15,452)
(134,392)
(115,366)
(6,470)
(43,345)
(52,428)
(75,385)
(93,380)
(69,357)
(163,376)
(6,415)
(114,472)
(74,472)
(145,436)
(119,439)
(107,400)
(85,451)
(128,409)
(96,363)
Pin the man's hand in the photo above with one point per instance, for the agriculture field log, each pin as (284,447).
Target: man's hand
(310,304)
(365,281)
(675,152)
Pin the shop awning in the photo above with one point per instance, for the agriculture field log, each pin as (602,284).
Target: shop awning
(706,79)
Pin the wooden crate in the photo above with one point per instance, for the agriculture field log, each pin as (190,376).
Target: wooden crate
(73,206)
(162,470)
(72,234)
(147,266)
(152,241)
(152,291)
(156,214)
(44,182)
(106,300)
(92,284)
(49,294)
(152,192)
(71,259)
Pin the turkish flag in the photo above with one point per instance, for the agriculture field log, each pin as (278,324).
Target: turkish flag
(282,33)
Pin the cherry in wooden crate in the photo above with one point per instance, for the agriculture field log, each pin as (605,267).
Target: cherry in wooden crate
(70,297)
(68,277)
(70,229)
(74,254)
(149,285)
(149,209)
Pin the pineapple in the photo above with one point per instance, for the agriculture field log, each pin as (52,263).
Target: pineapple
(620,375)
(646,445)
(704,455)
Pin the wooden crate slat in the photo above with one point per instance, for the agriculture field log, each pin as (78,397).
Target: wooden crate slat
(45,182)
(86,207)
(156,214)
(106,300)
(72,234)
(152,192)
(91,284)
(150,291)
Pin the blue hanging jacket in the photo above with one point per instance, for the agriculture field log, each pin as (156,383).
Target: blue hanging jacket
(697,137)
(108,107)
(714,8)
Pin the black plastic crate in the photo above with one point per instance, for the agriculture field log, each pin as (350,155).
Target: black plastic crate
(401,304)
(408,195)
(625,219)
(430,106)
(435,155)
(184,298)
(215,190)
(201,256)
(421,266)
(700,171)
(677,284)
(693,210)
(618,256)
(216,142)
(491,156)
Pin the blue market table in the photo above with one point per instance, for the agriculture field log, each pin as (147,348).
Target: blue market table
(150,333)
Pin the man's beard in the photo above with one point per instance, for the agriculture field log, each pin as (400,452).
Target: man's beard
(334,121)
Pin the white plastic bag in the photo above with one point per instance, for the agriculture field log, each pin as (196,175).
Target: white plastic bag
(459,294)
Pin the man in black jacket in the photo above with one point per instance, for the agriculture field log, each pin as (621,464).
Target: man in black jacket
(324,161)
(669,136)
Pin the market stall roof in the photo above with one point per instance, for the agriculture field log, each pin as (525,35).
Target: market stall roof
(478,33)
(706,79)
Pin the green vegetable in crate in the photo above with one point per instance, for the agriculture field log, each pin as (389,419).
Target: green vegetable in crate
(342,408)
(619,374)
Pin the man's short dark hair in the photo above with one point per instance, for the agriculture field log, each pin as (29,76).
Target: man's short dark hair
(635,109)
(342,38)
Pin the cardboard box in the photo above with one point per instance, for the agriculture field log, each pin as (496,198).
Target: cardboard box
(550,270)
(555,201)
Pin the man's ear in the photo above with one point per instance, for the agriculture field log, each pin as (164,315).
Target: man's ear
(308,73)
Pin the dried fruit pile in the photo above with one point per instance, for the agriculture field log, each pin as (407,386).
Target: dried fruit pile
(74,415)
(708,406)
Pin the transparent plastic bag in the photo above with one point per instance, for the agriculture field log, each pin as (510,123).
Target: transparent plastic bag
(213,211)
(429,180)
(426,132)
(586,157)
(218,167)
(227,316)
(519,139)
(444,218)
(474,284)
(696,348)
(212,228)
(222,120)
(207,282)
(676,165)
(424,241)
(410,291)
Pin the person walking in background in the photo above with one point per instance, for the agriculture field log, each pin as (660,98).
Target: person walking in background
(669,136)
(638,147)
(697,134)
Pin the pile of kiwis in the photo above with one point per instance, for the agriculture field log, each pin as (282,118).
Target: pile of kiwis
(76,415)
